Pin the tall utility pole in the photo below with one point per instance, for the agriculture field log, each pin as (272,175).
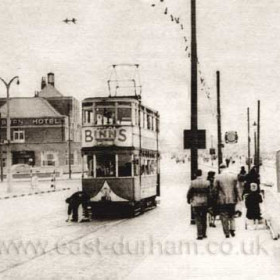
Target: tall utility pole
(1,150)
(194,163)
(249,140)
(69,141)
(258,134)
(255,149)
(220,145)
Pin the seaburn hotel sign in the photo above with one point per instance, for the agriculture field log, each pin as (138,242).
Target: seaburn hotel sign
(34,122)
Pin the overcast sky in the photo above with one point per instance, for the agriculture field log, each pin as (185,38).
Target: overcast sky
(240,38)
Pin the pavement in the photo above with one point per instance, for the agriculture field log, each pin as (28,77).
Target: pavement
(23,187)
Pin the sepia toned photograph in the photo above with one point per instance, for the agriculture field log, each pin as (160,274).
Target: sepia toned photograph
(139,139)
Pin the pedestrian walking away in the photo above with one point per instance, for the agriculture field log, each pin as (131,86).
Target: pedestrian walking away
(212,209)
(197,196)
(227,162)
(252,203)
(241,178)
(228,194)
(251,177)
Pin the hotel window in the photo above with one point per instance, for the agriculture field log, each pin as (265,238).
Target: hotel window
(18,135)
(72,161)
(49,159)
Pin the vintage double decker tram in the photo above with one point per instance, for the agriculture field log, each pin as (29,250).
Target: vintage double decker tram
(120,150)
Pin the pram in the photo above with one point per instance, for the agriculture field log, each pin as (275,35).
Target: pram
(214,214)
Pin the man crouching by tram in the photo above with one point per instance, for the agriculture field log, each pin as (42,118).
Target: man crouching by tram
(74,201)
(197,196)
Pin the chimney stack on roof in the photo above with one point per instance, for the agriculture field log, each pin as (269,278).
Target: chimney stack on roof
(43,83)
(51,79)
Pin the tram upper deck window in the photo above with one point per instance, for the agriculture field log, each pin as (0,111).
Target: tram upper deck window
(124,113)
(150,120)
(124,165)
(105,165)
(105,115)
(87,115)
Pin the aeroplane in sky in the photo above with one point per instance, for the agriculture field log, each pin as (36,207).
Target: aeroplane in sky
(73,20)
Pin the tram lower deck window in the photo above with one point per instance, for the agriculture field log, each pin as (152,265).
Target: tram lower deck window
(124,165)
(105,166)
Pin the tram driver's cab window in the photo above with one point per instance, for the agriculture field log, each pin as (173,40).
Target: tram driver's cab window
(90,166)
(124,165)
(105,165)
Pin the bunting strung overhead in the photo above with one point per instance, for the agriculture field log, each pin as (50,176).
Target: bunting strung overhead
(203,83)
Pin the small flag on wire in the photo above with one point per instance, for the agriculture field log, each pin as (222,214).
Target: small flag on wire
(182,26)
(189,55)
(172,19)
(185,38)
(166,11)
(186,48)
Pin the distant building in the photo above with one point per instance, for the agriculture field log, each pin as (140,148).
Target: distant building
(41,126)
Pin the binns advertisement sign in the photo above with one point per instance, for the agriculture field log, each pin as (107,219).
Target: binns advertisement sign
(118,136)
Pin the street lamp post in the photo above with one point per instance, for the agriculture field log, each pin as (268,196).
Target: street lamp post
(255,144)
(9,158)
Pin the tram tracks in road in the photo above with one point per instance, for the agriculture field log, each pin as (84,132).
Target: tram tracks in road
(107,226)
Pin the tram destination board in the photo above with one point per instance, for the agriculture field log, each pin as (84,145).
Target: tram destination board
(195,139)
